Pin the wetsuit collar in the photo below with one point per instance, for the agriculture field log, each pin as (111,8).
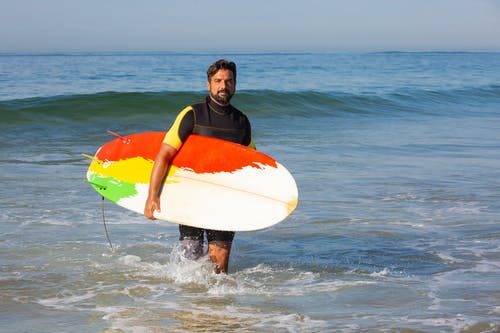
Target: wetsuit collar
(218,108)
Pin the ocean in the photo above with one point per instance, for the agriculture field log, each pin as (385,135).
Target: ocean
(397,161)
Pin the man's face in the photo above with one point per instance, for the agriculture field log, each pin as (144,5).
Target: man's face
(222,86)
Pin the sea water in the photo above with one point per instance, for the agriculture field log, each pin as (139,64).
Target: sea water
(397,161)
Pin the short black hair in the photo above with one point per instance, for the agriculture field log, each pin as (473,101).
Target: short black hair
(221,64)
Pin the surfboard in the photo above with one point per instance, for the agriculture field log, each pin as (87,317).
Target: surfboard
(210,183)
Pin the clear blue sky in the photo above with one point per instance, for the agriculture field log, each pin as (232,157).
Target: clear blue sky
(249,25)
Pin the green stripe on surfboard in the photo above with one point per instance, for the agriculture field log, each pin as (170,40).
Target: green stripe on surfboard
(112,188)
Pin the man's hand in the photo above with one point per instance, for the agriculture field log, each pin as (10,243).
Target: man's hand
(165,154)
(152,205)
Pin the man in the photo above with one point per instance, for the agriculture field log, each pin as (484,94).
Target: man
(214,117)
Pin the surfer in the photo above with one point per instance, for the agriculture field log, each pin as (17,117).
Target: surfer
(214,117)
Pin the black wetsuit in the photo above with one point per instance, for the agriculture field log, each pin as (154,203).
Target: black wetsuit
(209,119)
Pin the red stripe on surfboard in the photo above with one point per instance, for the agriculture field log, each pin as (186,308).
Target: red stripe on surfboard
(234,157)
(146,145)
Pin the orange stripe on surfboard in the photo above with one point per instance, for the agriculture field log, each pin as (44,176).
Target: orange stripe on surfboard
(146,145)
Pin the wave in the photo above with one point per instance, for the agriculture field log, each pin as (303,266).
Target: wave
(139,105)
(93,106)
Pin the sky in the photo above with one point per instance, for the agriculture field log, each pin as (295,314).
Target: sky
(249,25)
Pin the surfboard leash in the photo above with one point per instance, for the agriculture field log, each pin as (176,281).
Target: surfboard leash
(105,226)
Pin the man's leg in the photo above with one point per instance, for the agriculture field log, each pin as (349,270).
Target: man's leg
(191,242)
(219,255)
(219,248)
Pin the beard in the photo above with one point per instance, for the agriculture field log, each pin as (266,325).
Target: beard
(223,100)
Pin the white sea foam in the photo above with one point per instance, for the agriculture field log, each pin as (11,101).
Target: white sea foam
(467,209)
(260,280)
(456,324)
(70,302)
(449,258)
(130,259)
(385,272)
(401,197)
(173,318)
(177,269)
(293,323)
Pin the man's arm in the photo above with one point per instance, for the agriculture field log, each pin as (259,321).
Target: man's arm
(160,166)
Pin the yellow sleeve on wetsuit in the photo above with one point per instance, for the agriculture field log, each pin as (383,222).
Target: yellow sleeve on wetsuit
(252,144)
(172,137)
